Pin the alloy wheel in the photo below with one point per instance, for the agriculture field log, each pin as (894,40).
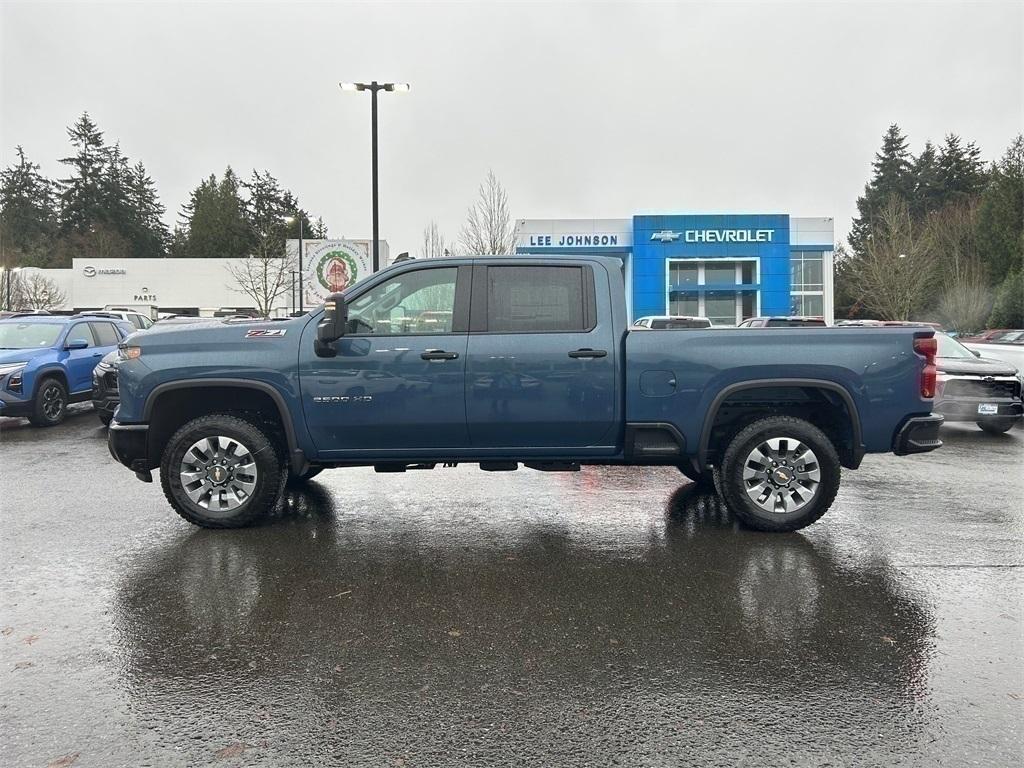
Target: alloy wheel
(53,402)
(781,475)
(218,473)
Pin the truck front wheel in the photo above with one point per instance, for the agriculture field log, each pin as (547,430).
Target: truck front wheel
(779,474)
(997,425)
(220,471)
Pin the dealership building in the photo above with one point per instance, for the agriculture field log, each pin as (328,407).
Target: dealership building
(726,267)
(203,286)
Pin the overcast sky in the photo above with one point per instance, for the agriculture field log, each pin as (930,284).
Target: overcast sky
(585,111)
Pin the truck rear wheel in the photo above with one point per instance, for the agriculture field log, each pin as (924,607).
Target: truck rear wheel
(779,474)
(220,471)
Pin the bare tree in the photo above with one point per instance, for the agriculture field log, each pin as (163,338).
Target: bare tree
(965,300)
(265,276)
(893,276)
(40,292)
(11,289)
(488,227)
(434,243)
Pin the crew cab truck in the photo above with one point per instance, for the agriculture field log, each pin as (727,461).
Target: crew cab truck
(509,361)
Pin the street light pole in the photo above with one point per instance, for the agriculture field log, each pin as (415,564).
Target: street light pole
(299,214)
(373,87)
(373,173)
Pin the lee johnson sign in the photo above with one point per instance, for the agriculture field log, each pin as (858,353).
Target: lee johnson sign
(572,241)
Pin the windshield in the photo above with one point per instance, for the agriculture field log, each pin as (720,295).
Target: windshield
(28,335)
(951,349)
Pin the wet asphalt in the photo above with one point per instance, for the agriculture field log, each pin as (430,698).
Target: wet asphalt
(457,617)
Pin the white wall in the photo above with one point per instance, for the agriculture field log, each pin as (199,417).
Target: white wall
(527,228)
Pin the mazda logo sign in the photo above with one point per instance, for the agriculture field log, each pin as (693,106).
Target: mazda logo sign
(91,271)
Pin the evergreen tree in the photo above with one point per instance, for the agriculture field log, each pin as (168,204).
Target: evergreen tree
(962,174)
(213,221)
(1008,311)
(82,195)
(892,180)
(927,193)
(149,233)
(27,207)
(1001,214)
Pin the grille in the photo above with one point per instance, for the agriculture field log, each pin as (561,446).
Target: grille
(110,380)
(981,389)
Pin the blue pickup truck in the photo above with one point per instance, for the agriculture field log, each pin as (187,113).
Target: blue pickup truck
(509,361)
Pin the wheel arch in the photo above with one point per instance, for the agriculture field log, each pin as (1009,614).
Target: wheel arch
(851,457)
(49,372)
(266,393)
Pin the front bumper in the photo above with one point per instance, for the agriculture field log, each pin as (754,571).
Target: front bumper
(14,405)
(964,409)
(129,444)
(919,434)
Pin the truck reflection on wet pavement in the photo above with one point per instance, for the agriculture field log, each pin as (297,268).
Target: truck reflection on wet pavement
(613,616)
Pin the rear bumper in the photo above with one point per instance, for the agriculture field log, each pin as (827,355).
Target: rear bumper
(129,444)
(919,434)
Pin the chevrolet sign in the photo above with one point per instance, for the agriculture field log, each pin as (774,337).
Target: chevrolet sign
(715,235)
(729,235)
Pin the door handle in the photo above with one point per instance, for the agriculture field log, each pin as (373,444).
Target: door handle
(588,352)
(438,354)
(97,354)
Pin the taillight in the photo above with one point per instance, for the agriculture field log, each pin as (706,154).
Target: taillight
(927,348)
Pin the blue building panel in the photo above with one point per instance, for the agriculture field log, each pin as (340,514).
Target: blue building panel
(763,239)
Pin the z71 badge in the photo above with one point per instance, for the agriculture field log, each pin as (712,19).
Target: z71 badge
(264,333)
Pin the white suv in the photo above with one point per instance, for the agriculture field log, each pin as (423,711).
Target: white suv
(137,319)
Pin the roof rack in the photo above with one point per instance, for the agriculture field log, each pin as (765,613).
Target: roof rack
(29,313)
(98,313)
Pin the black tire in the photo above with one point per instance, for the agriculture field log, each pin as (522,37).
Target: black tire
(997,425)
(296,481)
(105,417)
(705,478)
(267,459)
(50,405)
(733,487)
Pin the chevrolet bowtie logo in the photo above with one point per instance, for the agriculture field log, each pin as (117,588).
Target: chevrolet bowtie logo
(666,236)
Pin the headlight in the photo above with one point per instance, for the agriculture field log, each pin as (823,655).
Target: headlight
(128,353)
(7,368)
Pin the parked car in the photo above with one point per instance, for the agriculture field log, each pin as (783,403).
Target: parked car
(1009,348)
(228,411)
(661,322)
(105,394)
(46,362)
(975,388)
(783,321)
(140,320)
(995,334)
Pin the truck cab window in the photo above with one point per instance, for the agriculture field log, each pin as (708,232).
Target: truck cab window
(524,299)
(419,302)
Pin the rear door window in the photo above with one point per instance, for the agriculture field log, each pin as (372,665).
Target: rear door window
(105,334)
(538,299)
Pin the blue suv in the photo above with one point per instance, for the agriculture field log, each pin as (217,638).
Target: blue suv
(46,362)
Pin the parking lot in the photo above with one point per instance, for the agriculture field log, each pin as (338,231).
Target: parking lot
(607,617)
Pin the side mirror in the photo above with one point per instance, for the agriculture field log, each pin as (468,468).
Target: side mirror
(77,344)
(332,325)
(976,353)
